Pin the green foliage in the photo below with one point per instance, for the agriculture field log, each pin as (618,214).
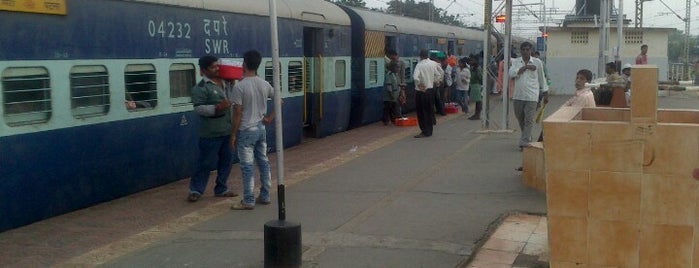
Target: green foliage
(421,10)
(675,47)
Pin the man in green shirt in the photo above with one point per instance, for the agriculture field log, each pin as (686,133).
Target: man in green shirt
(211,103)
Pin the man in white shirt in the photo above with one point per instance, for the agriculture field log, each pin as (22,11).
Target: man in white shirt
(427,75)
(530,82)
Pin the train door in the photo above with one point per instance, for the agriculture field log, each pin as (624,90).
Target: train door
(451,48)
(391,43)
(313,90)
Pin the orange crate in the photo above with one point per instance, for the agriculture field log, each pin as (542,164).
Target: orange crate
(406,121)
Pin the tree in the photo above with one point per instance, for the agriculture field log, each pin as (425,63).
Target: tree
(352,3)
(421,10)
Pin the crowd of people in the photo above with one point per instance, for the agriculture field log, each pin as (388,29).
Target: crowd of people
(233,114)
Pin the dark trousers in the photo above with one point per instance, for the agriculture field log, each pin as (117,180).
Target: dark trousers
(438,101)
(389,112)
(424,104)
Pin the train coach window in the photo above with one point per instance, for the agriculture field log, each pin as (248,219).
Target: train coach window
(182,79)
(295,76)
(89,91)
(269,74)
(340,76)
(373,72)
(141,86)
(26,95)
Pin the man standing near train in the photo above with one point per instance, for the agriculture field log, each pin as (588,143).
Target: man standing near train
(215,128)
(250,104)
(530,82)
(427,75)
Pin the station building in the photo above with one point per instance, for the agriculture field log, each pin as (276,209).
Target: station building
(575,45)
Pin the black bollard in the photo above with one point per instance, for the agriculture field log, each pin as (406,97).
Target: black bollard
(282,239)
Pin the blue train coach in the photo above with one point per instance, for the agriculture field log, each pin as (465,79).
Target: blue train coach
(96,93)
(373,33)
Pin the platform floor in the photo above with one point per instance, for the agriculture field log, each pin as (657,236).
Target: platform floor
(368,197)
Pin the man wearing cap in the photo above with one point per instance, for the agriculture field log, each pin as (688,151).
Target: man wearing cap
(439,96)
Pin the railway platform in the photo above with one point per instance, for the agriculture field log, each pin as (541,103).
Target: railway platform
(369,197)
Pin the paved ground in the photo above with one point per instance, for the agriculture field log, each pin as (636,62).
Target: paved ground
(369,197)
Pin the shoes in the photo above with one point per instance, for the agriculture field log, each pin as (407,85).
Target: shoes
(193,197)
(259,200)
(420,136)
(242,206)
(475,117)
(226,194)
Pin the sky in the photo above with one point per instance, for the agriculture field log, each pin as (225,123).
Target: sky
(655,13)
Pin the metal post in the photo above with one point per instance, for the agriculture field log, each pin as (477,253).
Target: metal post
(619,31)
(601,60)
(277,102)
(282,239)
(487,19)
(506,66)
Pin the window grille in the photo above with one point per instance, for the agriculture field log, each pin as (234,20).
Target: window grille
(141,86)
(89,91)
(579,37)
(26,96)
(182,79)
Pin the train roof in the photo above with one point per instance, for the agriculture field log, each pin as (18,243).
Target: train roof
(319,11)
(379,21)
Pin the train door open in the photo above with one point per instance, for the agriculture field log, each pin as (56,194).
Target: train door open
(451,48)
(391,43)
(313,90)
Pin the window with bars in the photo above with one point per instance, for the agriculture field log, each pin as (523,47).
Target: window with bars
(26,96)
(89,91)
(269,74)
(633,37)
(579,37)
(373,72)
(295,76)
(182,79)
(141,86)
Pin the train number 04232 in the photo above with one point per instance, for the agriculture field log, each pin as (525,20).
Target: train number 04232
(169,29)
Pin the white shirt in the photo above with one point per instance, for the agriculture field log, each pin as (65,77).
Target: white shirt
(427,72)
(583,98)
(463,79)
(529,84)
(252,93)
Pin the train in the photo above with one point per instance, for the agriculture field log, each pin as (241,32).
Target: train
(69,69)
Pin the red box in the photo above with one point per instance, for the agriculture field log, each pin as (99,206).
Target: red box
(231,70)
(451,108)
(406,121)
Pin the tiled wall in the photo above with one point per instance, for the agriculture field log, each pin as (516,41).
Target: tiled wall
(620,191)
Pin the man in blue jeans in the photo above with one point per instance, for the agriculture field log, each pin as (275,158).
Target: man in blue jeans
(210,102)
(250,104)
